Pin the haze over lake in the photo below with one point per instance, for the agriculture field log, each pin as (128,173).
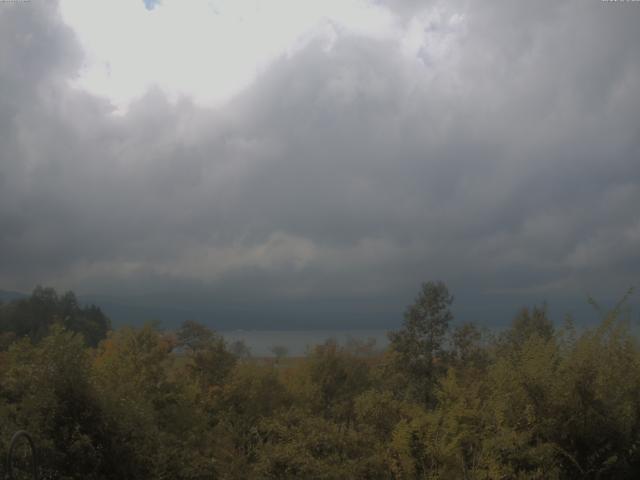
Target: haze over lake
(299,342)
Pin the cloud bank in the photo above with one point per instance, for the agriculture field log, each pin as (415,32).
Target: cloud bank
(496,147)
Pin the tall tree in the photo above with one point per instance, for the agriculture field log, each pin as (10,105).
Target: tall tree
(419,345)
(209,359)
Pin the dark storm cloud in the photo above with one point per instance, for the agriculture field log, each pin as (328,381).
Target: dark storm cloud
(502,155)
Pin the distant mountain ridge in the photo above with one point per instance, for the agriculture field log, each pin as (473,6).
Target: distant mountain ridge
(226,315)
(9,295)
(172,309)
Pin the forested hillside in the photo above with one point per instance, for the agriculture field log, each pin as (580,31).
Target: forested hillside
(444,401)
(34,317)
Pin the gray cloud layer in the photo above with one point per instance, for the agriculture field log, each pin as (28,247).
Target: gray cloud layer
(504,157)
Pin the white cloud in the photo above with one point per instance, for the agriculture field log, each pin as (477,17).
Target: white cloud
(352,150)
(206,50)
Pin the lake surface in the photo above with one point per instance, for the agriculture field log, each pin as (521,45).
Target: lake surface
(297,342)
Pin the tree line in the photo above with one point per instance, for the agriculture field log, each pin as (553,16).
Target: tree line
(443,401)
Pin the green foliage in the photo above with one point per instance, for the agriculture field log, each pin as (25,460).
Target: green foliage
(336,376)
(535,402)
(468,351)
(47,390)
(209,360)
(252,394)
(34,317)
(152,409)
(299,445)
(420,343)
(527,324)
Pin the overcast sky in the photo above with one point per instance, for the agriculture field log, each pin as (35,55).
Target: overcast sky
(320,153)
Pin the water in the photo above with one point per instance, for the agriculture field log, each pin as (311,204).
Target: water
(260,342)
